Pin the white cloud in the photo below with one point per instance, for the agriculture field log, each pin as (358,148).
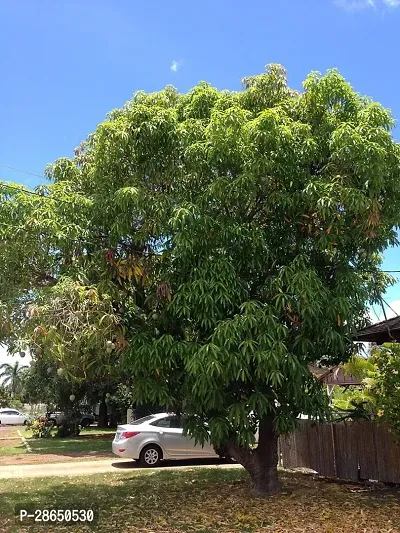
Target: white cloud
(391,312)
(354,5)
(358,5)
(175,66)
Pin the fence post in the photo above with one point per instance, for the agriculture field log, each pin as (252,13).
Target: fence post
(334,450)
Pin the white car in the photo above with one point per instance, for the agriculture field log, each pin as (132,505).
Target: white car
(10,416)
(156,437)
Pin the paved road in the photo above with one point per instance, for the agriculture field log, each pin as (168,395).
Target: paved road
(82,468)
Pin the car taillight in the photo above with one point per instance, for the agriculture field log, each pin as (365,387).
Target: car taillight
(129,434)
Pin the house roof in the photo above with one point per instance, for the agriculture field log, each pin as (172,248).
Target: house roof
(385,331)
(318,371)
(333,376)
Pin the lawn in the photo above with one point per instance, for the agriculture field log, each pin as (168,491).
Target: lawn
(10,443)
(83,444)
(204,501)
(91,430)
(92,443)
(12,447)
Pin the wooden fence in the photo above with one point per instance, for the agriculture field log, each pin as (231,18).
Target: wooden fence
(352,451)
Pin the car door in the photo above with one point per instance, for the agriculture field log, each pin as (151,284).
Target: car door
(198,450)
(8,417)
(4,417)
(20,418)
(170,434)
(14,416)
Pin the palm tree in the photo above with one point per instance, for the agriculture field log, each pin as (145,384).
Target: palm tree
(360,367)
(12,376)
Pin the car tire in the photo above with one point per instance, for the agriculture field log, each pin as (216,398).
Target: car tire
(25,422)
(150,456)
(85,422)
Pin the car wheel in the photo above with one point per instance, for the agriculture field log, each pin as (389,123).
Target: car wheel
(25,422)
(85,422)
(150,456)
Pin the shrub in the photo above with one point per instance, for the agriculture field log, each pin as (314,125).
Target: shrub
(385,385)
(70,426)
(41,428)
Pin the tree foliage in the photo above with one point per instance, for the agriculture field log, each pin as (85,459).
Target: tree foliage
(379,396)
(43,384)
(5,397)
(222,241)
(383,384)
(12,377)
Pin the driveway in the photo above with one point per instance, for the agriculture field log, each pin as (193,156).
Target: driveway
(83,468)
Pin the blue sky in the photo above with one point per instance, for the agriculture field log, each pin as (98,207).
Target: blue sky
(65,64)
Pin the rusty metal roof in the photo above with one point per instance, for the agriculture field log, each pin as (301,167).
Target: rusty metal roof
(385,331)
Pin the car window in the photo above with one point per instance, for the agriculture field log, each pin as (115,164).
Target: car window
(9,413)
(169,422)
(176,422)
(162,423)
(142,420)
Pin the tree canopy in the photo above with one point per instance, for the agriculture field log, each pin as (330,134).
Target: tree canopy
(5,397)
(12,376)
(212,244)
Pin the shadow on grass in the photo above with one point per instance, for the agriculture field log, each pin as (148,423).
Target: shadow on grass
(202,500)
(15,448)
(126,465)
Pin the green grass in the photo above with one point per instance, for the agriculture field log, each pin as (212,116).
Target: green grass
(85,443)
(203,501)
(93,430)
(55,445)
(10,442)
(12,449)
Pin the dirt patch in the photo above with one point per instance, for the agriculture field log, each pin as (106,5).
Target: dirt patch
(36,458)
(10,442)
(9,432)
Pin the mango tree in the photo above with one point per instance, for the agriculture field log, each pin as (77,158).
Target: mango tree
(211,244)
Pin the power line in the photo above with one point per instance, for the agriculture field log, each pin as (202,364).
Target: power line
(32,193)
(390,307)
(23,171)
(375,313)
(82,241)
(18,189)
(85,242)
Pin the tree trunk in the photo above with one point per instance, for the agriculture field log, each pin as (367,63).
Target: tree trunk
(113,422)
(261,462)
(103,417)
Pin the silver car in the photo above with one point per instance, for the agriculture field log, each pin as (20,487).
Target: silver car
(10,416)
(58,418)
(156,437)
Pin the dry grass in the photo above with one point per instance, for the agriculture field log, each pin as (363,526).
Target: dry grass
(204,501)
